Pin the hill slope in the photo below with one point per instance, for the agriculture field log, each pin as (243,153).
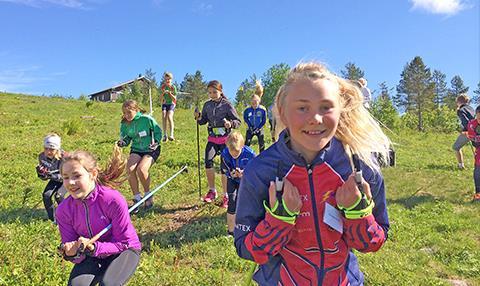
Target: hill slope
(434,236)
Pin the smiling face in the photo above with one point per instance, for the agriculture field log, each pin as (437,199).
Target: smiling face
(214,93)
(77,180)
(128,113)
(311,111)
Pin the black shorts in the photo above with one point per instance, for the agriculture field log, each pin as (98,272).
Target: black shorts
(154,154)
(168,107)
(212,150)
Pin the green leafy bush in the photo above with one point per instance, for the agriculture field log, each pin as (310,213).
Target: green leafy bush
(384,111)
(72,127)
(441,119)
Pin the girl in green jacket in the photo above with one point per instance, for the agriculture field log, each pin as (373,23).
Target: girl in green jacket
(144,133)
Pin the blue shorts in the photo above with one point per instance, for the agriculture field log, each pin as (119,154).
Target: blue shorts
(168,107)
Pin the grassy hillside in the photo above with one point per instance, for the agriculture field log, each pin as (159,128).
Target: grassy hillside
(434,237)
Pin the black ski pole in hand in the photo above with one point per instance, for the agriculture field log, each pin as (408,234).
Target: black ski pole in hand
(198,153)
(358,173)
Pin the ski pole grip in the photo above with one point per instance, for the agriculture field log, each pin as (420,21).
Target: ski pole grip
(81,248)
(358,172)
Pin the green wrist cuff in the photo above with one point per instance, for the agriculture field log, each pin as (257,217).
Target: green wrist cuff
(356,214)
(353,206)
(288,219)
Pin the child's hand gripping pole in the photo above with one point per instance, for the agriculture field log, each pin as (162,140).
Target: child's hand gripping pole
(284,199)
(85,245)
(153,145)
(363,206)
(121,142)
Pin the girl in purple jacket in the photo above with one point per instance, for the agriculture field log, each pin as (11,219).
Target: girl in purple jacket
(92,205)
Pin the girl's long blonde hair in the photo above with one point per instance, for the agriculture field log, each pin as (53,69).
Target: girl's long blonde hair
(112,175)
(359,132)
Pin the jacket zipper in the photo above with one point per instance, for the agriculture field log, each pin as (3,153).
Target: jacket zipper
(90,232)
(317,225)
(254,118)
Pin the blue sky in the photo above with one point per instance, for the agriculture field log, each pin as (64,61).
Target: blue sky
(73,47)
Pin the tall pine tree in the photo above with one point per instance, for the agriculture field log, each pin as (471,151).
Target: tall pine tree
(476,97)
(457,87)
(382,107)
(415,90)
(441,90)
(196,89)
(352,72)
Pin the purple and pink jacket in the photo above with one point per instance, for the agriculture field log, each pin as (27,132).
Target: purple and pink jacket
(88,217)
(309,252)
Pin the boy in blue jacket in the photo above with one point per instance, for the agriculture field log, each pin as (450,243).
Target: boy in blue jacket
(234,159)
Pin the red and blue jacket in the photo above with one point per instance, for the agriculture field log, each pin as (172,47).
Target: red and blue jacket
(308,252)
(473,133)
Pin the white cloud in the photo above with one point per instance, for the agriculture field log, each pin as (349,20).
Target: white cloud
(74,4)
(21,79)
(203,8)
(446,7)
(158,2)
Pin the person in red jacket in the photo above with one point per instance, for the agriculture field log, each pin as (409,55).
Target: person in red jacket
(473,133)
(302,207)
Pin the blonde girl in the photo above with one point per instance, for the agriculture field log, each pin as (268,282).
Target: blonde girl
(303,214)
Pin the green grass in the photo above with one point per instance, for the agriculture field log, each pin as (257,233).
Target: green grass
(434,235)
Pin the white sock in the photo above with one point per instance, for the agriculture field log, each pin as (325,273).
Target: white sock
(137,197)
(461,165)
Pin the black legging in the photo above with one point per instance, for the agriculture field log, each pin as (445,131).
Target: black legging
(476,179)
(51,192)
(232,189)
(261,138)
(112,270)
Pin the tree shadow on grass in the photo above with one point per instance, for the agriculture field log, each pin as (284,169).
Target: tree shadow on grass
(443,167)
(161,210)
(190,231)
(107,141)
(411,202)
(174,163)
(22,215)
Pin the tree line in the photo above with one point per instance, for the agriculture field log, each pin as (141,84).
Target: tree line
(420,100)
